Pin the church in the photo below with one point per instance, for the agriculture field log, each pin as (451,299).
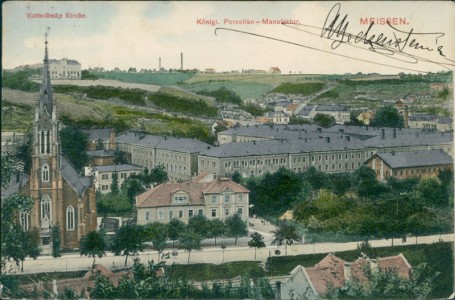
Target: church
(62,196)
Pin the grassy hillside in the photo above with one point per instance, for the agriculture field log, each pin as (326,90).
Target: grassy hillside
(163,79)
(305,89)
(20,106)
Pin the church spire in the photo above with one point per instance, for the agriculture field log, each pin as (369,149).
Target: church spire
(46,99)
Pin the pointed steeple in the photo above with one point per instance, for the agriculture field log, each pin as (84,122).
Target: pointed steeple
(46,98)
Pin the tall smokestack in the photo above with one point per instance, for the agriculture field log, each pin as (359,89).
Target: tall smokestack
(159,70)
(181,61)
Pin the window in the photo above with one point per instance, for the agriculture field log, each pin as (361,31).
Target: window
(123,175)
(45,207)
(105,176)
(180,199)
(240,197)
(70,218)
(226,211)
(160,215)
(180,214)
(45,173)
(104,187)
(213,212)
(147,216)
(213,199)
(226,198)
(240,211)
(171,214)
(200,212)
(190,213)
(24,219)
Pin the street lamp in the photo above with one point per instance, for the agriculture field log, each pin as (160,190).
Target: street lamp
(223,246)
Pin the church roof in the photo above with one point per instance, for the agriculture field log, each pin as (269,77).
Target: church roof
(15,185)
(78,183)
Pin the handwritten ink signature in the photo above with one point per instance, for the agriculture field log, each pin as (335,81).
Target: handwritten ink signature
(394,47)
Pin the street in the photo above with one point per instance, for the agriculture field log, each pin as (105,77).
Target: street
(212,254)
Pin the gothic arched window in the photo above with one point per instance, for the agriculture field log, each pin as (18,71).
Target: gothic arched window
(42,141)
(24,219)
(46,208)
(45,173)
(48,141)
(70,218)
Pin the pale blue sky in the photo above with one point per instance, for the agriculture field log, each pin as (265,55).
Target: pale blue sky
(136,34)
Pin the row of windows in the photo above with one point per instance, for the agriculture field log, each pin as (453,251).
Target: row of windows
(227,198)
(46,215)
(123,175)
(181,213)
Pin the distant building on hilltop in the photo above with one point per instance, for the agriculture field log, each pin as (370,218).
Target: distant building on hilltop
(274,70)
(64,69)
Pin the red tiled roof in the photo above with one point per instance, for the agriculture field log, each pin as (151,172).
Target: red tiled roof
(329,272)
(222,184)
(398,264)
(162,194)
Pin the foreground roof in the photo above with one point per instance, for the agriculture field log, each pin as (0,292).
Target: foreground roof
(416,158)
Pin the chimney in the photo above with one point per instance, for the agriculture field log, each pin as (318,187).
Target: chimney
(165,137)
(383,133)
(319,129)
(181,61)
(366,127)
(348,138)
(254,142)
(394,133)
(341,130)
(327,139)
(393,152)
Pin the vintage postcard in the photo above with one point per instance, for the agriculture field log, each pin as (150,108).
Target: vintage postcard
(218,149)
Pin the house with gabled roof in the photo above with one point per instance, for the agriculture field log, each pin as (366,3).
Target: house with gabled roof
(403,165)
(215,199)
(332,273)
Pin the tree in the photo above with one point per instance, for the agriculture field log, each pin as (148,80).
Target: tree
(324,120)
(190,241)
(128,240)
(133,187)
(158,234)
(236,227)
(56,242)
(430,192)
(109,203)
(158,175)
(286,234)
(200,225)
(216,228)
(257,241)
(366,183)
(388,116)
(237,177)
(120,157)
(114,184)
(74,143)
(175,229)
(16,243)
(93,245)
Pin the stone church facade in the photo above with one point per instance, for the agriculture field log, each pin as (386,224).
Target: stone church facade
(62,196)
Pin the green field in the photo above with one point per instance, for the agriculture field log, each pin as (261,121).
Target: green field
(245,90)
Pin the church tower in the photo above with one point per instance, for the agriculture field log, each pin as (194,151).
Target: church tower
(63,198)
(45,177)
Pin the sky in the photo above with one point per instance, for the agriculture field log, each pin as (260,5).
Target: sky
(137,34)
